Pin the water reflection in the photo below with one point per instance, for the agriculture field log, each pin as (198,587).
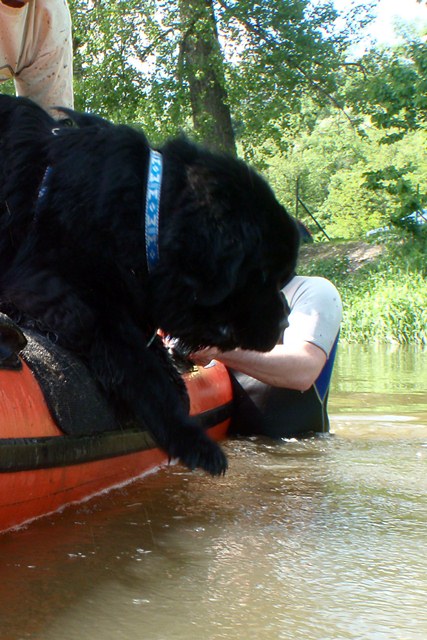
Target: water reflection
(381,377)
(316,540)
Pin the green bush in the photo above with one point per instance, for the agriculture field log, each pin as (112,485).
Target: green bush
(386,300)
(386,307)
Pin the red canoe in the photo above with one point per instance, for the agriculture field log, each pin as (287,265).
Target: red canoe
(42,469)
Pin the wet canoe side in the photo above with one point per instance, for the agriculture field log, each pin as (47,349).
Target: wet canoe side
(43,470)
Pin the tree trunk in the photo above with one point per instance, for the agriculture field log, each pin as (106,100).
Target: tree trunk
(202,65)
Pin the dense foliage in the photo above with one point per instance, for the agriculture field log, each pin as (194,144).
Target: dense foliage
(131,58)
(345,133)
(383,301)
(347,177)
(275,81)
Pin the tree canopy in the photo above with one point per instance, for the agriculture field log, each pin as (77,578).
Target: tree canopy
(174,65)
(274,82)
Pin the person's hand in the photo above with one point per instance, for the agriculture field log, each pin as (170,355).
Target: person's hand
(204,356)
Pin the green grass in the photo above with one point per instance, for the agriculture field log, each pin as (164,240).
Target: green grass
(385,301)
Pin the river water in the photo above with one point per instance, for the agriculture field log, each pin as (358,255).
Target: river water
(318,540)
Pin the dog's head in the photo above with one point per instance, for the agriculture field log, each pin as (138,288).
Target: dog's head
(227,247)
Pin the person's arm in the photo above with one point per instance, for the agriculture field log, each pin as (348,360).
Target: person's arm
(45,73)
(291,368)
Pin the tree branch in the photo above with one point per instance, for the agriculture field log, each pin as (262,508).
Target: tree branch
(262,34)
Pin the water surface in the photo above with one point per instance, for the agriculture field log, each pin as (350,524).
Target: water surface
(318,540)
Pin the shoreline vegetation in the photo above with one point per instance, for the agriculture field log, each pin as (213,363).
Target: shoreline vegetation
(383,285)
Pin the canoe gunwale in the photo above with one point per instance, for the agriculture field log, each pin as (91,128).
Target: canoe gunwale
(46,452)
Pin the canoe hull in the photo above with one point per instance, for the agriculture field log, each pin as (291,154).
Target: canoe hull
(42,470)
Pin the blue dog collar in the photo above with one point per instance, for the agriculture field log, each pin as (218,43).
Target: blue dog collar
(152,205)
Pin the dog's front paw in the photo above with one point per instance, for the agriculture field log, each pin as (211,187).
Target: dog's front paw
(196,450)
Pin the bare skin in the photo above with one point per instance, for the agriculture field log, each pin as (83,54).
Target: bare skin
(295,367)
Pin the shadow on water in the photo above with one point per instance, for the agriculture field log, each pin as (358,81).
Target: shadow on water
(317,540)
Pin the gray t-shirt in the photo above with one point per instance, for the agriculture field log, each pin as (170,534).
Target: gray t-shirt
(316,312)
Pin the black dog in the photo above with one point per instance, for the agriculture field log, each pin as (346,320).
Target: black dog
(73,259)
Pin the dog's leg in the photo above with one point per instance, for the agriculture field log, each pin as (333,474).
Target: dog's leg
(143,384)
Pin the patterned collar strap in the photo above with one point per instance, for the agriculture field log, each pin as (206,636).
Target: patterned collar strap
(152,205)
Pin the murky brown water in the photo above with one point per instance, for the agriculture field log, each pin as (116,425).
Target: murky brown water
(317,540)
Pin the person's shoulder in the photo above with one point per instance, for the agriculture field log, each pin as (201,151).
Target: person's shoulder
(309,284)
(312,291)
(319,283)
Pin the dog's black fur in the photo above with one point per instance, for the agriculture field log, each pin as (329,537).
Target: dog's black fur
(73,265)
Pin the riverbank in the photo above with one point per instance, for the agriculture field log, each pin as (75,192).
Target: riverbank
(383,286)
(356,253)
